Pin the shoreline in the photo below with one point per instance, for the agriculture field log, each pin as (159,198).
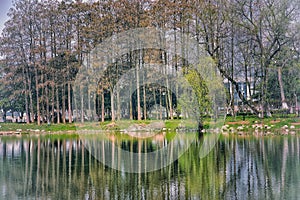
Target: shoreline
(262,133)
(250,126)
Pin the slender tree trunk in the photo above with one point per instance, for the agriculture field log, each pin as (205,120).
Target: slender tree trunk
(82,105)
(169,98)
(42,99)
(130,102)
(145,103)
(296,104)
(118,103)
(248,83)
(266,100)
(155,104)
(26,107)
(176,61)
(167,105)
(102,106)
(89,114)
(112,105)
(29,75)
(160,105)
(26,98)
(31,114)
(94,110)
(63,104)
(265,104)
(37,97)
(232,70)
(232,99)
(69,102)
(47,105)
(57,106)
(98,104)
(138,92)
(75,104)
(52,102)
(283,101)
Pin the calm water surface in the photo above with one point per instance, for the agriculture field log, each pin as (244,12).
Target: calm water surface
(60,167)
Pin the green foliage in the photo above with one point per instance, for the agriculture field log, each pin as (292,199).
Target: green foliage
(200,89)
(207,87)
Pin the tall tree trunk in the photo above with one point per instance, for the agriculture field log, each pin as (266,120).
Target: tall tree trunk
(37,97)
(265,104)
(26,98)
(130,102)
(102,106)
(89,113)
(118,103)
(75,104)
(232,70)
(42,99)
(63,104)
(82,105)
(52,102)
(26,107)
(160,104)
(57,106)
(169,98)
(31,114)
(47,105)
(145,103)
(232,99)
(69,102)
(155,104)
(94,109)
(283,101)
(169,105)
(138,91)
(112,105)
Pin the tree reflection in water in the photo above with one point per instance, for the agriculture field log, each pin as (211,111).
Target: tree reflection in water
(59,167)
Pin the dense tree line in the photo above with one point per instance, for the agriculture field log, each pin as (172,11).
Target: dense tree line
(44,43)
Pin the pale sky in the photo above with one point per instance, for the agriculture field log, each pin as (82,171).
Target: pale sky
(4,7)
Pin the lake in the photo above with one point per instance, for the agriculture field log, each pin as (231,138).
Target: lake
(65,167)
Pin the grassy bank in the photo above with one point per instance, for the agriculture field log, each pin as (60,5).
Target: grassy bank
(277,122)
(26,128)
(249,124)
(285,125)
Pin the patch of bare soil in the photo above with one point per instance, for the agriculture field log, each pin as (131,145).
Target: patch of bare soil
(274,121)
(239,123)
(295,123)
(111,125)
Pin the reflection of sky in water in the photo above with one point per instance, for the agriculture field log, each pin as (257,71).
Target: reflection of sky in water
(4,7)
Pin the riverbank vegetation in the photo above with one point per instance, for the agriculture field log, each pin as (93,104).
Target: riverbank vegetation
(235,125)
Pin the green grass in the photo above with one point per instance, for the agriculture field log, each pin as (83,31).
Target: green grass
(172,124)
(32,127)
(277,123)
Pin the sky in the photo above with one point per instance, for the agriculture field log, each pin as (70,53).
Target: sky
(4,7)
